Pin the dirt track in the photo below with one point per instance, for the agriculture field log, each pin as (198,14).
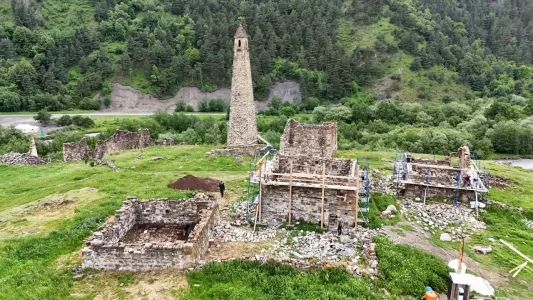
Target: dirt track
(419,239)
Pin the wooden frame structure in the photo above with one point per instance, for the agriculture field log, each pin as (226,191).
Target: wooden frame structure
(307,176)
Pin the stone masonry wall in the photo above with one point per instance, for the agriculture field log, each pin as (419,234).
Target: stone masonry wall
(76,151)
(307,205)
(313,165)
(163,212)
(242,125)
(418,191)
(309,139)
(430,162)
(105,250)
(121,140)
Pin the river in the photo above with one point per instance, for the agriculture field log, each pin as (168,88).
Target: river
(524,163)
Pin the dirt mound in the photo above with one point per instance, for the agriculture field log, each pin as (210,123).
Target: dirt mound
(193,183)
(500,182)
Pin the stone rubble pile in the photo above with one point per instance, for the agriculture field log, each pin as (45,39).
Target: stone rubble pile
(301,249)
(22,159)
(439,216)
(235,232)
(329,248)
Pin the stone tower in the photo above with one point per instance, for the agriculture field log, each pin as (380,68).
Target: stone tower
(242,126)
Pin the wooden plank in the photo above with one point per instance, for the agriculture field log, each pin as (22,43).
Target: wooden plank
(313,180)
(442,186)
(517,252)
(259,162)
(290,195)
(323,192)
(434,166)
(311,185)
(305,175)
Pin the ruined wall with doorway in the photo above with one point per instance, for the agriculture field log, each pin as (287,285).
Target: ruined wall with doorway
(123,140)
(119,141)
(309,139)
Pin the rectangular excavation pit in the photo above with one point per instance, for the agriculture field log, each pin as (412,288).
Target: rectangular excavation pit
(153,235)
(149,233)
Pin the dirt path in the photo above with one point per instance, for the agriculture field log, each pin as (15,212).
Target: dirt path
(419,239)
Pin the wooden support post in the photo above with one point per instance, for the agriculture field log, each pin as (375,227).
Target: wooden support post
(357,184)
(323,191)
(461,250)
(290,194)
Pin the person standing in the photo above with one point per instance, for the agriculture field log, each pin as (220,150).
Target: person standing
(222,188)
(339,228)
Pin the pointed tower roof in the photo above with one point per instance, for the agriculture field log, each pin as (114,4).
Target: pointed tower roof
(240,33)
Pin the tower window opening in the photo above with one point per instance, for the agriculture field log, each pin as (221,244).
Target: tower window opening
(239,43)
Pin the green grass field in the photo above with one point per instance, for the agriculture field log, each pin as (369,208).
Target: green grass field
(36,264)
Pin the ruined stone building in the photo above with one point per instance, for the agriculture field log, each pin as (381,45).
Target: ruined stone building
(153,235)
(425,178)
(304,181)
(119,141)
(309,139)
(242,126)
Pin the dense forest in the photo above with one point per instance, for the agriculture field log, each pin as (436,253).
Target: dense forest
(462,69)
(162,45)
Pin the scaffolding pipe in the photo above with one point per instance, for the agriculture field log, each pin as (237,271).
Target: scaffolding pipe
(323,191)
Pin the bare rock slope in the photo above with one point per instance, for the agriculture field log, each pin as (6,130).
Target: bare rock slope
(126,99)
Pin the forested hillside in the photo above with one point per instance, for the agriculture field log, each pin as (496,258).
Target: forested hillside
(60,54)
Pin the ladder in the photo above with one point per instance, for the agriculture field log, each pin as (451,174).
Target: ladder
(364,191)
(456,199)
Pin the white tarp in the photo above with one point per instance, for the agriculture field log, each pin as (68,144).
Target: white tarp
(27,128)
(477,284)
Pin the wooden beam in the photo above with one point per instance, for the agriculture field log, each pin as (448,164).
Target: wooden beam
(357,195)
(304,175)
(290,195)
(323,194)
(262,158)
(311,185)
(517,252)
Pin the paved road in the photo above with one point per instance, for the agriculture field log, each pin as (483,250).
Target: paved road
(16,119)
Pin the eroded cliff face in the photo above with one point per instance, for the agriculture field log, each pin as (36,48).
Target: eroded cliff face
(129,100)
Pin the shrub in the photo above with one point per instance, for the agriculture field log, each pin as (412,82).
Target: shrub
(81,121)
(213,105)
(43,117)
(189,137)
(189,108)
(64,120)
(180,106)
(379,203)
(287,111)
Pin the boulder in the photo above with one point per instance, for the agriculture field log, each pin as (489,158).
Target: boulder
(445,237)
(391,210)
(482,249)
